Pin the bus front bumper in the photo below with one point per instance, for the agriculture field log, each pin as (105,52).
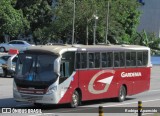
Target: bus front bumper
(33,98)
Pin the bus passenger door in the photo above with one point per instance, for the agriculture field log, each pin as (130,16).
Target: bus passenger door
(67,79)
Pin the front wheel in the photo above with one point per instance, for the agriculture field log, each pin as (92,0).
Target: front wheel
(2,49)
(122,94)
(75,100)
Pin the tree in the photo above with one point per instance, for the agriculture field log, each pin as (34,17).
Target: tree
(12,21)
(40,16)
(49,22)
(123,19)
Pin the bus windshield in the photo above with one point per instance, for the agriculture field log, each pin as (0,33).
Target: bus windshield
(35,68)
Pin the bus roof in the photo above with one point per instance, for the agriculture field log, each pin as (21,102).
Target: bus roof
(59,49)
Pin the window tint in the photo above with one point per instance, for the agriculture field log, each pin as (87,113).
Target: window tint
(83,62)
(133,58)
(2,61)
(104,60)
(78,60)
(116,59)
(91,60)
(13,42)
(110,59)
(128,59)
(19,42)
(145,58)
(97,60)
(139,58)
(5,57)
(122,59)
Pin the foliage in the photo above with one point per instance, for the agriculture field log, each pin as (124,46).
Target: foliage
(39,14)
(123,19)
(50,21)
(147,39)
(12,21)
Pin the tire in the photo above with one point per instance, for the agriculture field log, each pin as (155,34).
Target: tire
(75,101)
(122,94)
(5,72)
(2,49)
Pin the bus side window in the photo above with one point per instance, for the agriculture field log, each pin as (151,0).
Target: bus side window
(145,58)
(133,58)
(116,59)
(91,60)
(83,61)
(77,60)
(104,60)
(122,59)
(139,58)
(128,57)
(97,60)
(110,59)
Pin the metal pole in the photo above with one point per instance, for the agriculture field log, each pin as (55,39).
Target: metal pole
(94,28)
(139,108)
(107,18)
(87,33)
(73,24)
(101,111)
(94,34)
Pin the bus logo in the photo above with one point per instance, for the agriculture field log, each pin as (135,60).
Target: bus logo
(105,81)
(131,74)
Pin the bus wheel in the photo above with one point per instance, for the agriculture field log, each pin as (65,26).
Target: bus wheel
(122,94)
(75,100)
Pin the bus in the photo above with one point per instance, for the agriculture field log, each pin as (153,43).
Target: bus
(59,74)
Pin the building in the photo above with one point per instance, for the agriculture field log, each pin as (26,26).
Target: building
(150,19)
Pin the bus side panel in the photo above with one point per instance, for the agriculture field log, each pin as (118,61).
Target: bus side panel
(97,84)
(136,79)
(143,83)
(67,96)
(119,81)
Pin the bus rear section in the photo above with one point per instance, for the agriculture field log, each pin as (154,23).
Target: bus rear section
(114,73)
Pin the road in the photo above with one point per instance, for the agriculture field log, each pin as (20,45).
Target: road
(149,99)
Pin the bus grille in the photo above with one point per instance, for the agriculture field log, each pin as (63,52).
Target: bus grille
(28,97)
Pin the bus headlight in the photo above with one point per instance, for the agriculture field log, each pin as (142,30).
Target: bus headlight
(51,90)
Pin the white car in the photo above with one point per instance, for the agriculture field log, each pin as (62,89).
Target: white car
(2,62)
(9,64)
(14,44)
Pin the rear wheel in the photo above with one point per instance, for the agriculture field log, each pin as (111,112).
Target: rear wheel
(2,49)
(122,94)
(75,100)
